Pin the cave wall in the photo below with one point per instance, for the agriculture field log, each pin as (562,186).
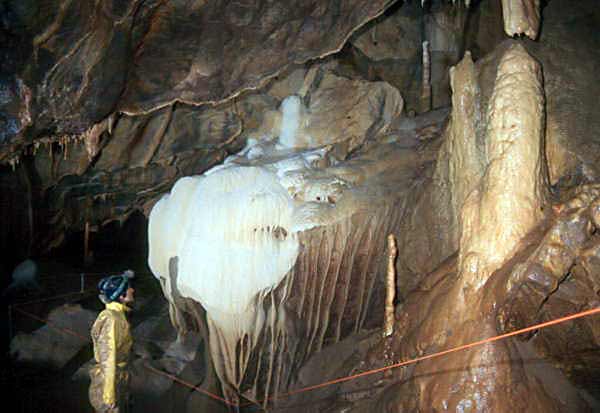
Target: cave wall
(109,104)
(91,91)
(104,134)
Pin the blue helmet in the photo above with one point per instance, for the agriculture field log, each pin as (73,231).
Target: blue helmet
(114,286)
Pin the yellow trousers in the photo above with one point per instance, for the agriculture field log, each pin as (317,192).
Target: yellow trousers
(97,388)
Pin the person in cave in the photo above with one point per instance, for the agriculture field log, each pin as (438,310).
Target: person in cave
(111,335)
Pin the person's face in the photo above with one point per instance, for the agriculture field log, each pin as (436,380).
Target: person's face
(128,297)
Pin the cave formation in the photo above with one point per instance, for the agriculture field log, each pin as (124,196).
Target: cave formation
(250,159)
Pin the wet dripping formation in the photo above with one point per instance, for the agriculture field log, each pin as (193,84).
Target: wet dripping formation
(291,190)
(274,151)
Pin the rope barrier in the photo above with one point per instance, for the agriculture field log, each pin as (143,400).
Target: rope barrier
(353,376)
(41,300)
(51,324)
(82,292)
(438,354)
(172,377)
(63,329)
(193,387)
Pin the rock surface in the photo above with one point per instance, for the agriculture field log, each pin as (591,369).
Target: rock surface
(106,105)
(548,270)
(50,345)
(521,17)
(329,229)
(87,60)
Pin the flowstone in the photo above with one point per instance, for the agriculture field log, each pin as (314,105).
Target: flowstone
(287,213)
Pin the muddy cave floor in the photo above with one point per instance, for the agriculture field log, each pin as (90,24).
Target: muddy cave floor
(40,388)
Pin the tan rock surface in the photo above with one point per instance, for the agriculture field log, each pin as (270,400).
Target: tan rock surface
(260,39)
(521,17)
(457,303)
(510,199)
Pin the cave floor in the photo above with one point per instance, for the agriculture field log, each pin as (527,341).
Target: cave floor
(45,389)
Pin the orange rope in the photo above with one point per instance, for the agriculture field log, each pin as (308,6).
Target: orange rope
(191,386)
(52,325)
(41,300)
(440,353)
(174,378)
(354,376)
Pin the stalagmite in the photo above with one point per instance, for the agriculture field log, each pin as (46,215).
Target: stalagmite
(29,192)
(388,328)
(426,80)
(461,161)
(498,156)
(467,165)
(511,198)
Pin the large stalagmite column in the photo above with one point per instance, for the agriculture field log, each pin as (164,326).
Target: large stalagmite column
(510,198)
(494,166)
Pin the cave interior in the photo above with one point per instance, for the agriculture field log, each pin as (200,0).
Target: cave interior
(310,194)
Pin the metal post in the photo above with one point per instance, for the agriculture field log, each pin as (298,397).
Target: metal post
(82,282)
(86,244)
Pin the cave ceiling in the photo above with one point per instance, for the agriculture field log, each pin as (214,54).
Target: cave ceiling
(467,129)
(95,91)
(106,104)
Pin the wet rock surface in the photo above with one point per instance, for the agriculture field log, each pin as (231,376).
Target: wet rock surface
(87,60)
(494,202)
(51,346)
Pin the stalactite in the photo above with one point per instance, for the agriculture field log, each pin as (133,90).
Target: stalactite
(91,137)
(65,147)
(87,253)
(467,3)
(521,17)
(111,122)
(158,136)
(14,161)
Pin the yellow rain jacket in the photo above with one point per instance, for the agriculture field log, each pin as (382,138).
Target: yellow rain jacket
(112,344)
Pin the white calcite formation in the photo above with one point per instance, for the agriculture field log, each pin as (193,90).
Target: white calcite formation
(236,230)
(493,161)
